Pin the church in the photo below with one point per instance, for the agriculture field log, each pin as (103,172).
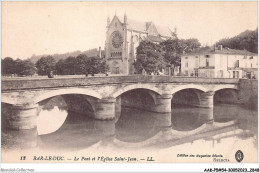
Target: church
(123,37)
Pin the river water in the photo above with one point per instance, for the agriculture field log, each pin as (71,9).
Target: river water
(187,130)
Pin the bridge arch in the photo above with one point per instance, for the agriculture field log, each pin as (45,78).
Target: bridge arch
(227,94)
(8,100)
(221,87)
(136,86)
(187,95)
(53,93)
(189,86)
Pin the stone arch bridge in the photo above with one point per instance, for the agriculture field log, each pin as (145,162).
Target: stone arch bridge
(102,97)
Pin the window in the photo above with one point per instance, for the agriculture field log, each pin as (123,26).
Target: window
(207,62)
(196,73)
(186,72)
(115,70)
(196,56)
(186,64)
(186,57)
(235,74)
(207,56)
(116,54)
(237,63)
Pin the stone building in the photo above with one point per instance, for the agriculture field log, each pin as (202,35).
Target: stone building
(219,62)
(122,38)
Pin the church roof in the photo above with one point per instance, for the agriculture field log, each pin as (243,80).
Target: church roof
(154,38)
(143,27)
(164,31)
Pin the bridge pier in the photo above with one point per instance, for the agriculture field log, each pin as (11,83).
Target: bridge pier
(163,103)
(23,117)
(105,128)
(163,121)
(206,99)
(207,114)
(105,109)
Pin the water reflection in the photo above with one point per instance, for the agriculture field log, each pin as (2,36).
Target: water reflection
(186,118)
(50,120)
(19,140)
(60,129)
(77,132)
(136,126)
(52,113)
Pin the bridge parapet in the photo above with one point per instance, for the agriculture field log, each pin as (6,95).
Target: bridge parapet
(21,84)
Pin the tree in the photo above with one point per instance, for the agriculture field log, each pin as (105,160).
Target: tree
(59,66)
(102,66)
(149,56)
(174,48)
(83,63)
(8,66)
(94,63)
(91,65)
(139,63)
(247,40)
(188,45)
(18,66)
(26,68)
(172,51)
(70,66)
(45,64)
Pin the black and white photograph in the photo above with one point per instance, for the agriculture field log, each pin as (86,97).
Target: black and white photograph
(129,82)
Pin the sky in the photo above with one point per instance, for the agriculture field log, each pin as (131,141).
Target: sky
(58,27)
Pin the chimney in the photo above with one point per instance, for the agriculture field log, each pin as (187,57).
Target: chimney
(99,52)
(220,47)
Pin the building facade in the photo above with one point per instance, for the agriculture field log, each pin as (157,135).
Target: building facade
(122,38)
(220,62)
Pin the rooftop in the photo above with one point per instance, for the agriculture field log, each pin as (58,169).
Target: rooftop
(210,50)
(154,38)
(144,26)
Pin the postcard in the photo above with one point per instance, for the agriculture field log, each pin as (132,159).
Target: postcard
(130,82)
